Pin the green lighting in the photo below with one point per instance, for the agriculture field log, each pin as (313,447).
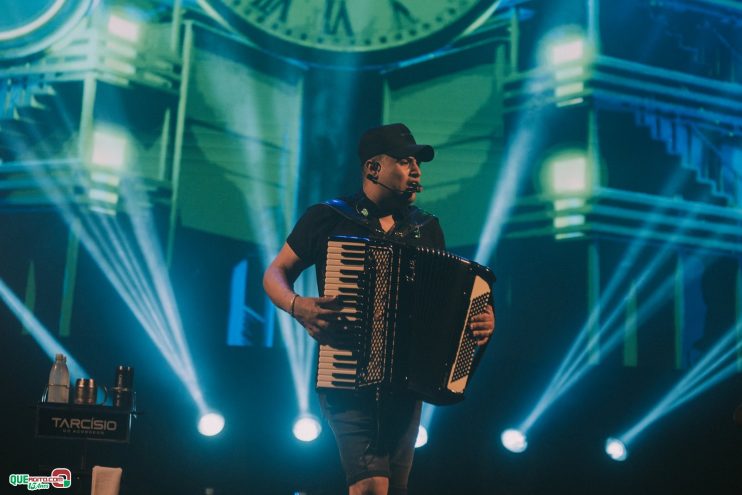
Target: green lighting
(569,89)
(568,179)
(569,221)
(109,149)
(567,51)
(123,28)
(569,175)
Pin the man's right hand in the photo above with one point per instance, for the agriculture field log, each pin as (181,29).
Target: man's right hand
(319,315)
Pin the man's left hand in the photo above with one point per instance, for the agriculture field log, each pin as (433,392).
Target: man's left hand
(483,325)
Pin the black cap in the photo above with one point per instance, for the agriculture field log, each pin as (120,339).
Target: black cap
(394,140)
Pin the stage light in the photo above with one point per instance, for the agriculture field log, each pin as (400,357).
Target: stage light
(123,28)
(718,364)
(514,440)
(515,170)
(40,334)
(108,155)
(422,437)
(569,89)
(307,428)
(211,424)
(103,196)
(109,148)
(568,173)
(606,330)
(565,51)
(569,221)
(146,290)
(616,449)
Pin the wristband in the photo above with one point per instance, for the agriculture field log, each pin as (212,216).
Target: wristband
(293,300)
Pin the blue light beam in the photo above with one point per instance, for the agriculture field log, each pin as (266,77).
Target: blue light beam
(40,334)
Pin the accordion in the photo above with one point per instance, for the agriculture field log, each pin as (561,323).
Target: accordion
(405,318)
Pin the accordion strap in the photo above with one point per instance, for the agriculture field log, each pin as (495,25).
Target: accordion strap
(415,220)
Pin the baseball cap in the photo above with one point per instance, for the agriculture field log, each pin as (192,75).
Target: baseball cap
(394,140)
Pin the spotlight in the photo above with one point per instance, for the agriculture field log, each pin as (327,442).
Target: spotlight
(123,28)
(568,174)
(422,437)
(616,449)
(109,149)
(211,424)
(41,334)
(568,54)
(567,51)
(514,440)
(307,428)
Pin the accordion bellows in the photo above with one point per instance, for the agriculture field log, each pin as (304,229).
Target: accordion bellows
(406,313)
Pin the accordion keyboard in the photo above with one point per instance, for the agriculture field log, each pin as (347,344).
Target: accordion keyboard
(338,363)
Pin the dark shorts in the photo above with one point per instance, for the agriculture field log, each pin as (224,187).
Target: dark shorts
(374,439)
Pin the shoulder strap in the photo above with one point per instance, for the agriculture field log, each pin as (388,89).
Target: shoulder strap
(347,210)
(420,217)
(416,220)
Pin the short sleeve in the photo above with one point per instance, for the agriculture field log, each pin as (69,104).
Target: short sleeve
(309,236)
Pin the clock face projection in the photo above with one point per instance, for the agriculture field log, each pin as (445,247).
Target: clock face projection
(28,27)
(333,28)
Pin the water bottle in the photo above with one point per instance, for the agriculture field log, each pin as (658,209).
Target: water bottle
(59,381)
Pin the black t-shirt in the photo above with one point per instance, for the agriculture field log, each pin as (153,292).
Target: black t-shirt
(412,226)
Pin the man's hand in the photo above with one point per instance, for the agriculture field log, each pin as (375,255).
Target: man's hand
(483,325)
(319,315)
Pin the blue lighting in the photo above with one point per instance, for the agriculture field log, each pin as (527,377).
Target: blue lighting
(616,449)
(211,424)
(718,364)
(43,337)
(576,363)
(514,440)
(422,437)
(307,428)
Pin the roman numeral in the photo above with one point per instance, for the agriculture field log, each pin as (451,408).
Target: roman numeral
(268,7)
(402,16)
(336,17)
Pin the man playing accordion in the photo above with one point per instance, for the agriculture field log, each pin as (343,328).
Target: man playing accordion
(375,432)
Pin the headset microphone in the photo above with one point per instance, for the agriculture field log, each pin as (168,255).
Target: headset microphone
(415,188)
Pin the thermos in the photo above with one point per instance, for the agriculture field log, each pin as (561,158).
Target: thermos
(122,390)
(86,392)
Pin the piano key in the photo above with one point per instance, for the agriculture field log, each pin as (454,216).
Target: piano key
(335,278)
(337,378)
(344,373)
(328,362)
(332,384)
(339,352)
(351,288)
(334,359)
(338,260)
(338,263)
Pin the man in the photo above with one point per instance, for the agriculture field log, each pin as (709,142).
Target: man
(375,432)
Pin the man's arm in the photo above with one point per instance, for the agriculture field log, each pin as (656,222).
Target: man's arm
(314,313)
